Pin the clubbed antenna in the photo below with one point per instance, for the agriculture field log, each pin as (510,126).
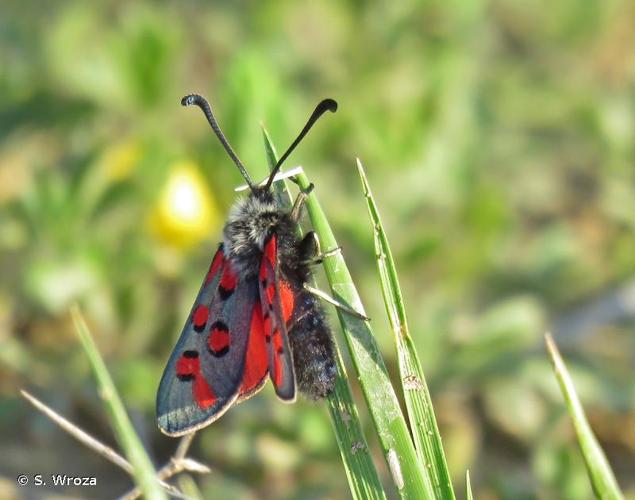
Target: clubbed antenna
(202,103)
(320,109)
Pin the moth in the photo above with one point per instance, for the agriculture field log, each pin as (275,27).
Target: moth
(254,317)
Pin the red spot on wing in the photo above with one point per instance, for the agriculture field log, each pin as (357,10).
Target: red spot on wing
(217,262)
(200,317)
(256,361)
(189,367)
(287,299)
(277,351)
(203,393)
(270,293)
(271,250)
(277,371)
(229,279)
(267,326)
(218,340)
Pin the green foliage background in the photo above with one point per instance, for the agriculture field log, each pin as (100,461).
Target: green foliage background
(499,139)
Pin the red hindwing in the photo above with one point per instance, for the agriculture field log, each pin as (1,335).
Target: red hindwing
(257,362)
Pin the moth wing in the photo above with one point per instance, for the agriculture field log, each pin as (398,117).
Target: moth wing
(204,373)
(256,359)
(277,300)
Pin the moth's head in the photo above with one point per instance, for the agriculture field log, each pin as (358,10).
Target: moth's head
(261,192)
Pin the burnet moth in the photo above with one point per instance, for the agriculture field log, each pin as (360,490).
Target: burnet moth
(253,316)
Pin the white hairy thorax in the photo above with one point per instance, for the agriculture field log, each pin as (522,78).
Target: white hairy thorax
(249,223)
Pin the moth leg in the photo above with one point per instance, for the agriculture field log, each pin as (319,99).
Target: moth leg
(320,258)
(296,211)
(309,250)
(340,305)
(295,321)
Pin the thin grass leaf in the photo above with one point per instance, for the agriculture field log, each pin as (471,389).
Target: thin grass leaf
(426,435)
(390,425)
(358,464)
(360,470)
(143,469)
(602,478)
(468,487)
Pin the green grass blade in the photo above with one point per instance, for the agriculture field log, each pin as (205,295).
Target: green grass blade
(468,487)
(360,470)
(380,396)
(602,478)
(143,469)
(423,423)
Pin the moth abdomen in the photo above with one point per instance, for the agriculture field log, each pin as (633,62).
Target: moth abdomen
(312,346)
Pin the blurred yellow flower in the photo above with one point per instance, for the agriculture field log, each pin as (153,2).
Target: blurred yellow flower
(119,161)
(186,212)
